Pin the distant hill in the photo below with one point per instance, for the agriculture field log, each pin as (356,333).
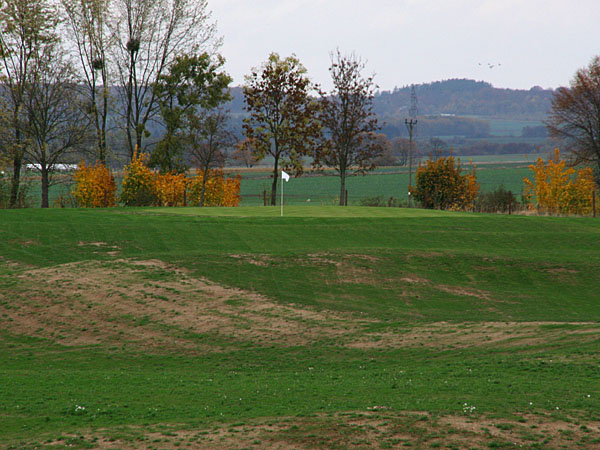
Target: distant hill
(465,97)
(447,108)
(458,96)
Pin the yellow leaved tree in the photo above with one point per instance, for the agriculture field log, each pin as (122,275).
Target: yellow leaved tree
(557,189)
(94,186)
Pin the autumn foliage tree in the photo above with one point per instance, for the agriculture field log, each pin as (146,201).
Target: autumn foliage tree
(138,187)
(575,118)
(282,118)
(144,187)
(440,184)
(559,189)
(216,190)
(351,144)
(94,186)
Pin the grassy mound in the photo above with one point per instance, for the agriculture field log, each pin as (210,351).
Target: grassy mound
(326,328)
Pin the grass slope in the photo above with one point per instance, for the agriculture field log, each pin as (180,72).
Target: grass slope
(325,328)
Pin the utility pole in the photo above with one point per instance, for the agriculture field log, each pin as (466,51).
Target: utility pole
(410,124)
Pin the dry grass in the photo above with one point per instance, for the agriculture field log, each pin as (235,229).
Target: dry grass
(358,430)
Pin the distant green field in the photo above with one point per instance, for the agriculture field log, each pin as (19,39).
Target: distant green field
(165,328)
(390,182)
(501,127)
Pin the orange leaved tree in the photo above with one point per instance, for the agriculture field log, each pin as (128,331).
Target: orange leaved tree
(218,190)
(94,186)
(558,189)
(170,189)
(441,185)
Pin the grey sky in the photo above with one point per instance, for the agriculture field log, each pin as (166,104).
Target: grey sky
(536,42)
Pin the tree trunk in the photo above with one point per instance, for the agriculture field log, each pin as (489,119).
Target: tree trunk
(45,186)
(204,175)
(274,185)
(16,179)
(343,188)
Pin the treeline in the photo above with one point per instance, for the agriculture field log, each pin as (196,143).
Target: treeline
(79,76)
(466,147)
(96,78)
(429,126)
(464,97)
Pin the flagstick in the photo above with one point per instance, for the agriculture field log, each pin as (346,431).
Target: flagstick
(282,194)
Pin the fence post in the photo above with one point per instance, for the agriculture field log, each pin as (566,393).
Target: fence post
(346,200)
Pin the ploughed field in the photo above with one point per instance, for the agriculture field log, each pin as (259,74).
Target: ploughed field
(329,327)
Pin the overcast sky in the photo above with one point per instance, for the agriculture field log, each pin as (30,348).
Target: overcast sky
(528,42)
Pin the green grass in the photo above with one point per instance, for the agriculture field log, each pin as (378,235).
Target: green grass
(471,273)
(385,182)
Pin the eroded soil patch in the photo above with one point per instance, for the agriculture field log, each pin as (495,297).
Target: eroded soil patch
(358,430)
(156,306)
(480,334)
(152,304)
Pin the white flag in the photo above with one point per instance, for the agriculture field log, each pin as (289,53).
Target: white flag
(285,176)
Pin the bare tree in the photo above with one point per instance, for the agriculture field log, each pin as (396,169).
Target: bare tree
(575,115)
(349,121)
(209,138)
(27,28)
(283,116)
(55,122)
(88,25)
(400,149)
(244,153)
(149,35)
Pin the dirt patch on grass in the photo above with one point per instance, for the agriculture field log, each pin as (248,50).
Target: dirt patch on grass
(560,270)
(529,429)
(349,268)
(355,430)
(152,304)
(159,307)
(255,260)
(481,334)
(102,247)
(12,265)
(461,291)
(454,290)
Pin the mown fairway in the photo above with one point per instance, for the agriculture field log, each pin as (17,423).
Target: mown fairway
(327,328)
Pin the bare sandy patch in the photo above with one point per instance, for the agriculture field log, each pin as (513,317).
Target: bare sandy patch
(357,430)
(480,334)
(255,260)
(560,433)
(454,290)
(151,304)
(467,292)
(103,247)
(156,306)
